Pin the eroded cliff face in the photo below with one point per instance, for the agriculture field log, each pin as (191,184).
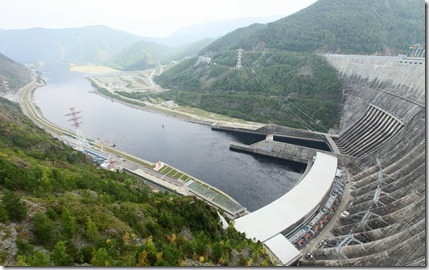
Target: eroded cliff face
(386,225)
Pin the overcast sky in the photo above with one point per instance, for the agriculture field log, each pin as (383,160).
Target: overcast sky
(152,18)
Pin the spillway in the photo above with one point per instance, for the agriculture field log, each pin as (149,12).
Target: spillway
(383,127)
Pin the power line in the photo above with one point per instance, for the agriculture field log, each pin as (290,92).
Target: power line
(261,79)
(267,84)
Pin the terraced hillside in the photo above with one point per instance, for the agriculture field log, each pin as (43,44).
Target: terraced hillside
(386,222)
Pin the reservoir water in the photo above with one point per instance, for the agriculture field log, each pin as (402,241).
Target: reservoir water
(252,180)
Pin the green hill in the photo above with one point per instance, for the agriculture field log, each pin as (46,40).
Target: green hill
(58,209)
(143,54)
(189,50)
(138,56)
(386,27)
(284,80)
(272,87)
(15,74)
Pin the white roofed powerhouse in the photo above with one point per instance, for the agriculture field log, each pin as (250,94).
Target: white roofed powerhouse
(274,218)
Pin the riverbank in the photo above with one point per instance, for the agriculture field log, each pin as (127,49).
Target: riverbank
(135,165)
(94,69)
(193,115)
(192,148)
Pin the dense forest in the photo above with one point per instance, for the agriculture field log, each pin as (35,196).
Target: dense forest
(58,209)
(385,27)
(270,87)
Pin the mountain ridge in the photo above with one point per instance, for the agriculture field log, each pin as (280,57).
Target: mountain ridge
(336,26)
(91,44)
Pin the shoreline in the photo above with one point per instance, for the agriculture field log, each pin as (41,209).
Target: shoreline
(188,117)
(92,69)
(156,111)
(31,110)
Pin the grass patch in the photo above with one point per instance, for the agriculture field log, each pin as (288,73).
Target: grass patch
(173,173)
(210,115)
(185,178)
(165,170)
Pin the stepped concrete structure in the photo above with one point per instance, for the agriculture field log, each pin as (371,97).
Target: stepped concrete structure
(371,209)
(383,125)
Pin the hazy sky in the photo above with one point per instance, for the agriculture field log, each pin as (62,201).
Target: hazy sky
(154,18)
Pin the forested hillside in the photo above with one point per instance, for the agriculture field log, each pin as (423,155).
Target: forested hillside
(385,27)
(138,56)
(270,87)
(144,55)
(283,79)
(12,75)
(57,208)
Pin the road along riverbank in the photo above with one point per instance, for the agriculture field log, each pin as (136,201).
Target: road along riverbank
(189,186)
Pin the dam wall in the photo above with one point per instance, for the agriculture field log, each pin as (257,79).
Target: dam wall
(288,151)
(278,150)
(386,211)
(395,86)
(391,83)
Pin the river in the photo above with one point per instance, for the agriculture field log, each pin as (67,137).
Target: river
(253,181)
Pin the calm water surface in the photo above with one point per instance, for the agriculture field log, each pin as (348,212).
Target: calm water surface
(252,180)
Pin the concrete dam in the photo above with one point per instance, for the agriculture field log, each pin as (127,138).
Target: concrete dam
(374,213)
(383,127)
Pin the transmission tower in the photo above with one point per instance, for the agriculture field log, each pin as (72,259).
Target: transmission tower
(418,50)
(239,56)
(80,137)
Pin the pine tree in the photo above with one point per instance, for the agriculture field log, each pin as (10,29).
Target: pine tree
(14,206)
(91,230)
(68,223)
(43,228)
(60,255)
(4,217)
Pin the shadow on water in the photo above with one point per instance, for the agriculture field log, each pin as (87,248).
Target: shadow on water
(249,138)
(297,167)
(244,138)
(302,142)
